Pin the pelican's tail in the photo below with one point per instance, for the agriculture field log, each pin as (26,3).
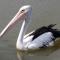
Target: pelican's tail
(51,25)
(55,32)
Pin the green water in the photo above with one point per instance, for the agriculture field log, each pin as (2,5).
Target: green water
(45,12)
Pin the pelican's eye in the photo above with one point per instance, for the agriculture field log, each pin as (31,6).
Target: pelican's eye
(22,11)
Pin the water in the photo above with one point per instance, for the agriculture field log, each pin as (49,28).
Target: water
(45,12)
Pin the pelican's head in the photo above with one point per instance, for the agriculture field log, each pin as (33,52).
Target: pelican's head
(26,8)
(25,12)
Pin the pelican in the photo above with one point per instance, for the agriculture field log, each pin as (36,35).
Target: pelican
(42,37)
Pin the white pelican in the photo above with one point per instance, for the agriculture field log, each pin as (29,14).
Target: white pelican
(42,37)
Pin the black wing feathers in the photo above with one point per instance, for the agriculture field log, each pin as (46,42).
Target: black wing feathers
(44,29)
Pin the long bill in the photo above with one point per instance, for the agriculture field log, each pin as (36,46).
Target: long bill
(19,16)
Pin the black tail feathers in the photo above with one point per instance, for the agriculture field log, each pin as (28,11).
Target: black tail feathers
(51,25)
(55,32)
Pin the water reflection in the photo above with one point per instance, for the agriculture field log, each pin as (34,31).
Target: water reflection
(38,54)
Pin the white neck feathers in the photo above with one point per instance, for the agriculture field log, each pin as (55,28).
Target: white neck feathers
(19,43)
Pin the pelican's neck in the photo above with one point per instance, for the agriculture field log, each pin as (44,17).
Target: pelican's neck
(19,43)
(22,31)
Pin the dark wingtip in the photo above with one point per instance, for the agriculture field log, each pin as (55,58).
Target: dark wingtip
(51,25)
